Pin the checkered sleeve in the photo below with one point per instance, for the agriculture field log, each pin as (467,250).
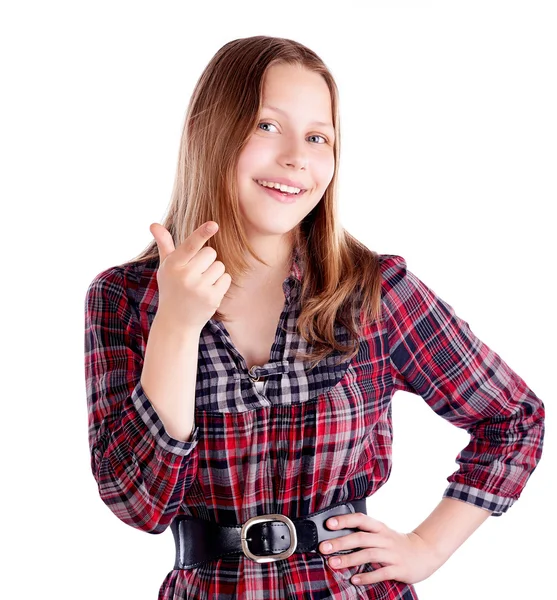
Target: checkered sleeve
(142,473)
(435,354)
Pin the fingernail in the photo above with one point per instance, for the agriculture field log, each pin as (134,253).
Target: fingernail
(335,561)
(356,580)
(211,227)
(333,522)
(327,546)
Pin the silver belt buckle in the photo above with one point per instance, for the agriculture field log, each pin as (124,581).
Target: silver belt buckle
(263,519)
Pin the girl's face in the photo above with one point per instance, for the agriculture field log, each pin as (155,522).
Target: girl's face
(288,143)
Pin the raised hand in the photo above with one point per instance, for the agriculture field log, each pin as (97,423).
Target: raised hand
(191,282)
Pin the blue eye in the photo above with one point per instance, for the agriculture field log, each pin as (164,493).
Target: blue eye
(271,124)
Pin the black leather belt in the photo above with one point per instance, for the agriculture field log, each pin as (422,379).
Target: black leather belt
(264,538)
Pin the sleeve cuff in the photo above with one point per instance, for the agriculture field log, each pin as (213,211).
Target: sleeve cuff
(496,504)
(156,427)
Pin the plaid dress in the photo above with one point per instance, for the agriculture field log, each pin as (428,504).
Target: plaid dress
(295,441)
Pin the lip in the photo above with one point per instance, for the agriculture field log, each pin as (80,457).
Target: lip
(289,182)
(277,194)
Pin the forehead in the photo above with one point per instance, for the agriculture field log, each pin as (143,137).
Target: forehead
(295,91)
(285,113)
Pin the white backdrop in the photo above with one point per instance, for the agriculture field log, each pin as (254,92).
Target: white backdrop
(449,159)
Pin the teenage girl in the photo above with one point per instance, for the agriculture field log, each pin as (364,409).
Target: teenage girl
(240,371)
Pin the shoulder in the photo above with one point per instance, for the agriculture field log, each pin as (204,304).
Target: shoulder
(127,282)
(393,270)
(405,296)
(111,282)
(402,293)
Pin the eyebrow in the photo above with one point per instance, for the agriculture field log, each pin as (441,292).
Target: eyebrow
(279,110)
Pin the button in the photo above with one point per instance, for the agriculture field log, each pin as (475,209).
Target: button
(252,374)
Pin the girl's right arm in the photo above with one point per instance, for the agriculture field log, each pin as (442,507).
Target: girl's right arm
(142,461)
(143,449)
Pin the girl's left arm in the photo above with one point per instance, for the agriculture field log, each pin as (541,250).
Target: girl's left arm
(450,524)
(435,354)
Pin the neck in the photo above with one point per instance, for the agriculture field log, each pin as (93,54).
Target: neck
(276,254)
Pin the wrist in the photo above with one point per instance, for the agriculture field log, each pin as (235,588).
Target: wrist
(437,555)
(167,324)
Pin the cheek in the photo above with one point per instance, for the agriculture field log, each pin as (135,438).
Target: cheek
(252,155)
(321,169)
(244,163)
(327,169)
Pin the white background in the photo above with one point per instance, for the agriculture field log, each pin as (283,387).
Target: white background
(449,159)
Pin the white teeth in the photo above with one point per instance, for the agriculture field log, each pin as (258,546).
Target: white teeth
(279,186)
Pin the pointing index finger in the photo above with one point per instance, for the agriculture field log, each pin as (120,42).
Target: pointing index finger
(194,242)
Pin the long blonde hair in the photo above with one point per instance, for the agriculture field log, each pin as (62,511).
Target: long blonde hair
(221,117)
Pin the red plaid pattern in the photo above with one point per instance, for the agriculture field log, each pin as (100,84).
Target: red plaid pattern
(305,439)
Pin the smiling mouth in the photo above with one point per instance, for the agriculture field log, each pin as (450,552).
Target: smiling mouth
(285,194)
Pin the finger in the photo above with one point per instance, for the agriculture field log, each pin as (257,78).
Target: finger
(369,577)
(351,541)
(363,556)
(194,242)
(222,284)
(165,243)
(358,519)
(213,271)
